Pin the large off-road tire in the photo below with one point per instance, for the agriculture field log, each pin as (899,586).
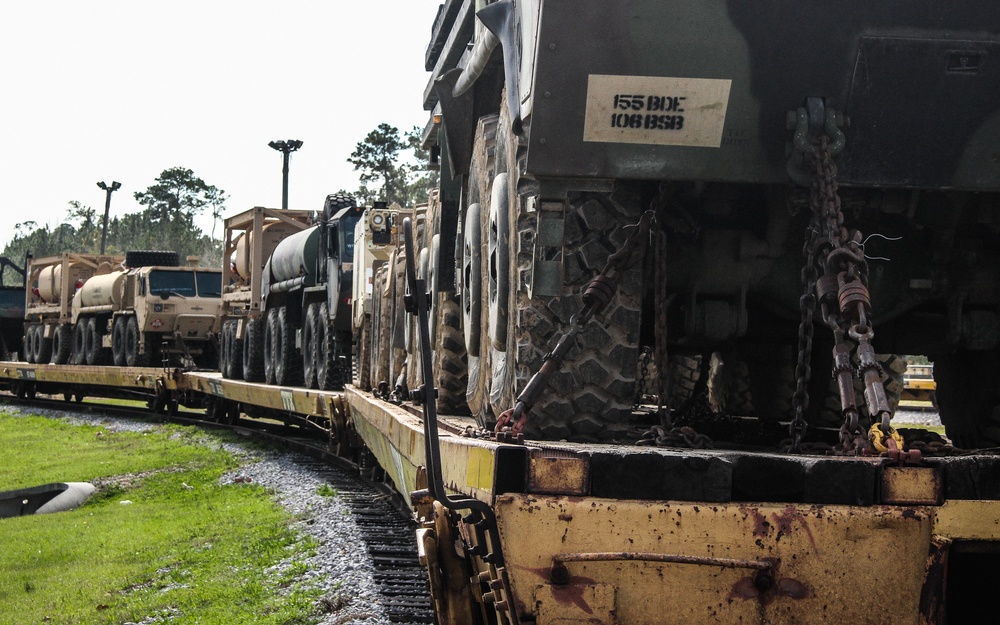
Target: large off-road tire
(826,410)
(381,327)
(62,344)
(362,356)
(477,194)
(335,203)
(968,397)
(254,356)
(79,355)
(29,344)
(134,357)
(94,338)
(43,346)
(151,258)
(225,350)
(450,360)
(288,360)
(397,337)
(234,352)
(332,357)
(310,345)
(591,397)
(118,341)
(272,340)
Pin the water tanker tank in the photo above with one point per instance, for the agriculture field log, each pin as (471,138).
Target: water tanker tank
(295,257)
(103,290)
(271,235)
(50,283)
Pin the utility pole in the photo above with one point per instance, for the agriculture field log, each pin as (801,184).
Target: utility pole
(286,148)
(107,208)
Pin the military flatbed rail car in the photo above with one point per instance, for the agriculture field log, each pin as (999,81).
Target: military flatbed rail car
(93,381)
(748,536)
(756,536)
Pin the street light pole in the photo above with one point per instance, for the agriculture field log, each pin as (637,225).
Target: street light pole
(286,148)
(107,208)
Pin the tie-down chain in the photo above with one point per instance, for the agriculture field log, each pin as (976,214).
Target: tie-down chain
(836,279)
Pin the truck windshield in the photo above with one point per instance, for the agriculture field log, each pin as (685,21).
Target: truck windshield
(209,283)
(345,230)
(172,283)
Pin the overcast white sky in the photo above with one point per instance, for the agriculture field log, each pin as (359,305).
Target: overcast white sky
(121,90)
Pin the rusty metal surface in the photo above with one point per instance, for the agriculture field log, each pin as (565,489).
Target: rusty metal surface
(912,486)
(549,474)
(700,546)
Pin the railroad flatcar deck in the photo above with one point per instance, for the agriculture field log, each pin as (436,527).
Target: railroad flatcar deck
(484,468)
(99,380)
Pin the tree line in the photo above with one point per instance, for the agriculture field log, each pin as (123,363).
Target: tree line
(178,196)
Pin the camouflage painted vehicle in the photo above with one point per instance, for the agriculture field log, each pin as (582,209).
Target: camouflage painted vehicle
(863,133)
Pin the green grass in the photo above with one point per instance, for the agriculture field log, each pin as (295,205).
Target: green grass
(186,549)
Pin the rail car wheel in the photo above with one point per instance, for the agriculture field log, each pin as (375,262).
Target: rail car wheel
(287,360)
(591,398)
(448,572)
(118,341)
(254,355)
(310,346)
(330,362)
(79,355)
(481,172)
(62,344)
(134,357)
(968,397)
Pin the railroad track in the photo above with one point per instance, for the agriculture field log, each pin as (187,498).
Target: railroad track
(382,517)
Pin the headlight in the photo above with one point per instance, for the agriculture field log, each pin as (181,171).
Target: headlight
(377,219)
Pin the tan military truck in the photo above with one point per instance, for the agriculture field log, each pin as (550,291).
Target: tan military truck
(250,238)
(51,283)
(150,311)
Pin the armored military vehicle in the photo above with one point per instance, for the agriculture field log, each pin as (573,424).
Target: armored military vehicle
(821,183)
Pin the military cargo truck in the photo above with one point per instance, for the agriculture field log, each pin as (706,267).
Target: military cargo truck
(287,313)
(135,310)
(50,286)
(822,187)
(150,312)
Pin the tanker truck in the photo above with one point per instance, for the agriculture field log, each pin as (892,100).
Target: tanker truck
(822,191)
(151,311)
(51,284)
(287,303)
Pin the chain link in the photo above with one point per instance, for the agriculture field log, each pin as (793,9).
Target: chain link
(684,436)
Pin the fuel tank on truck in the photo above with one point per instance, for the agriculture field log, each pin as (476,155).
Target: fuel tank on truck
(50,280)
(295,257)
(104,290)
(271,235)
